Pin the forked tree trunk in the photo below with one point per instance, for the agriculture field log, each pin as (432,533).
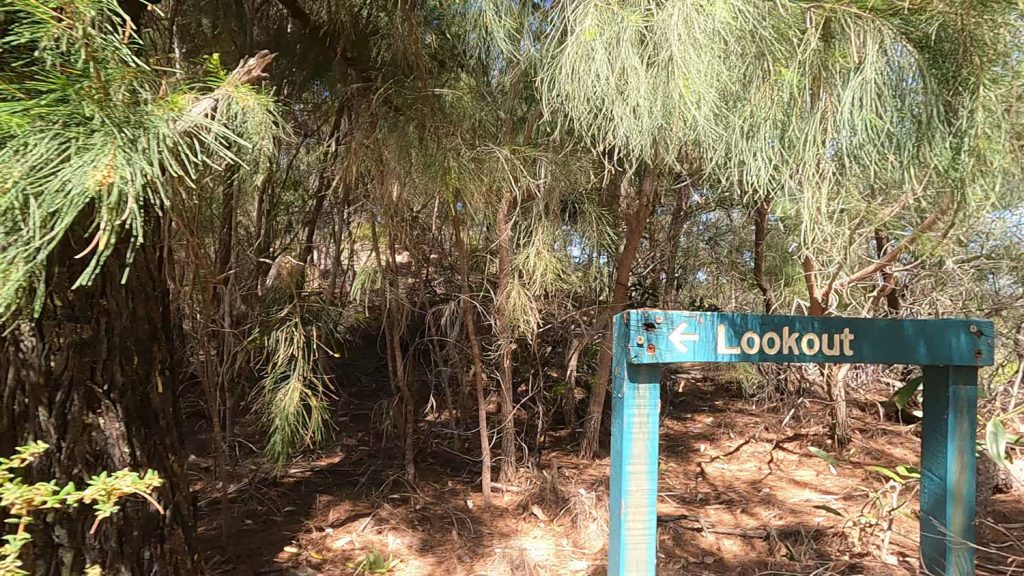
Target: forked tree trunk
(635,224)
(835,385)
(818,305)
(94,377)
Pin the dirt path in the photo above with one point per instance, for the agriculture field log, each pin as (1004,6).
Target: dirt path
(740,493)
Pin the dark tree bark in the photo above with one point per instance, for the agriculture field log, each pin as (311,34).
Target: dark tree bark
(341,233)
(135,10)
(310,225)
(264,227)
(94,377)
(325,183)
(226,235)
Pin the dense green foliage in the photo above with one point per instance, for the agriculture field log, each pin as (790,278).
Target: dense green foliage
(90,135)
(475,187)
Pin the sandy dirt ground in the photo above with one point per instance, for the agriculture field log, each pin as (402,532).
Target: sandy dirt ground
(741,492)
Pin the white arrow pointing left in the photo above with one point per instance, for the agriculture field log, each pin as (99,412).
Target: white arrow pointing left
(680,339)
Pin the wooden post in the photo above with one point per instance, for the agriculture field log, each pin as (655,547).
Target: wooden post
(951,351)
(948,470)
(636,401)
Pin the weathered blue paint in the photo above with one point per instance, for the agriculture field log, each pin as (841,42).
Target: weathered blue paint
(707,336)
(948,469)
(636,400)
(950,350)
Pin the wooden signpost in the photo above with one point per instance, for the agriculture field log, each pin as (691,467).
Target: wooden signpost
(950,351)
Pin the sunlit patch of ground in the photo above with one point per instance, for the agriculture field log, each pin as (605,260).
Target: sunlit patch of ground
(739,494)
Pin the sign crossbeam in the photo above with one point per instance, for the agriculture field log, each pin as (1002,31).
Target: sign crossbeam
(950,350)
(668,337)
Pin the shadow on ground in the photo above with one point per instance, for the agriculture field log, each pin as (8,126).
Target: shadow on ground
(739,490)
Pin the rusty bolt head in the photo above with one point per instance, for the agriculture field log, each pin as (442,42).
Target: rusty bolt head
(651,349)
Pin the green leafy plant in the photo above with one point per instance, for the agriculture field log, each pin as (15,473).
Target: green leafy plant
(832,461)
(902,398)
(20,500)
(881,505)
(997,441)
(374,563)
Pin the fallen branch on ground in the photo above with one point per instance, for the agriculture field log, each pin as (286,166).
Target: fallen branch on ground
(703,527)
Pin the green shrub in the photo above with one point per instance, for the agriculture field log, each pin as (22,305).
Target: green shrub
(20,500)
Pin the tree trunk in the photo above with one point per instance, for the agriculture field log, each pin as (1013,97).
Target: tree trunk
(384,291)
(839,417)
(264,227)
(760,237)
(635,224)
(94,377)
(341,233)
(393,327)
(477,352)
(325,183)
(508,430)
(217,337)
(888,288)
(397,331)
(835,384)
(310,225)
(669,296)
(223,280)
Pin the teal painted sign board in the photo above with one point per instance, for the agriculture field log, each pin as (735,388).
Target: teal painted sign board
(949,350)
